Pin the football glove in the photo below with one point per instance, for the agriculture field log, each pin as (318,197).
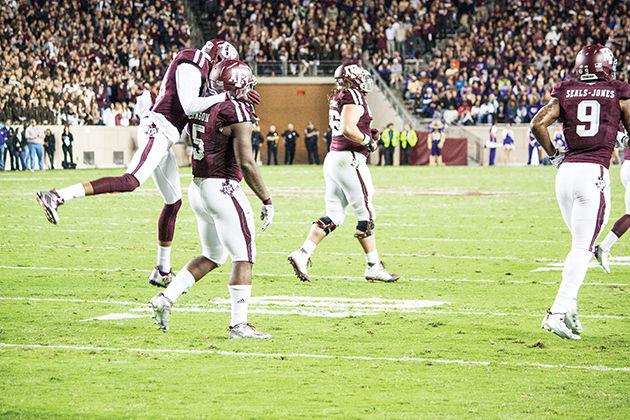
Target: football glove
(376,135)
(249,96)
(622,139)
(266,214)
(556,159)
(369,142)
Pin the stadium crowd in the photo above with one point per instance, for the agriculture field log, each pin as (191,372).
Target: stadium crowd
(83,62)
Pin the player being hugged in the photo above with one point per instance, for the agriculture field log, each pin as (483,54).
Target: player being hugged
(160,127)
(222,157)
(348,179)
(590,108)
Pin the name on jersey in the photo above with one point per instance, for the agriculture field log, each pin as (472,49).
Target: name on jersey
(597,93)
(202,116)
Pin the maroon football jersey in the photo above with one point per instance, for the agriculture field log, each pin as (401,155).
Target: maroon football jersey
(167,102)
(348,97)
(213,152)
(590,116)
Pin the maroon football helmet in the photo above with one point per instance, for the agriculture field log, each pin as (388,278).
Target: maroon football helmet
(232,76)
(218,50)
(352,75)
(595,62)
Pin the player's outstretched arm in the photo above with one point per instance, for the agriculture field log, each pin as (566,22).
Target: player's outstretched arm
(547,115)
(188,78)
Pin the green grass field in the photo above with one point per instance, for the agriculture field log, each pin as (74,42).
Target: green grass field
(470,237)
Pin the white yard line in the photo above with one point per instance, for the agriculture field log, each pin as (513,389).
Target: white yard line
(264,308)
(422,360)
(315,277)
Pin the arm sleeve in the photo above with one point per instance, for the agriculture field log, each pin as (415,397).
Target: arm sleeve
(188,78)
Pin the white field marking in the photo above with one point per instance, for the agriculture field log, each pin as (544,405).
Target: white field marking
(328,277)
(114,317)
(265,309)
(423,360)
(558,266)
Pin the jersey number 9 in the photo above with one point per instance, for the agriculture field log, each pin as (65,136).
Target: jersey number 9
(588,112)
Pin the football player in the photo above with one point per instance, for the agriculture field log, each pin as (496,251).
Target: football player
(222,157)
(348,179)
(159,129)
(602,251)
(590,107)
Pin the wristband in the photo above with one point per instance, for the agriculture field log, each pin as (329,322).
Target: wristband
(267,202)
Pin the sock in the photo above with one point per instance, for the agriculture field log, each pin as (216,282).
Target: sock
(73,191)
(573,273)
(372,258)
(309,247)
(240,294)
(183,281)
(609,241)
(164,259)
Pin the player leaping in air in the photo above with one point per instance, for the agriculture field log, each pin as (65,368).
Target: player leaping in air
(161,127)
(222,157)
(602,251)
(348,179)
(590,108)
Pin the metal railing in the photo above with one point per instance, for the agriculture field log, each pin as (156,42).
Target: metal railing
(301,68)
(394,101)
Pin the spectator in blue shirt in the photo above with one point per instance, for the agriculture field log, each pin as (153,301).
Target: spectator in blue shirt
(4,136)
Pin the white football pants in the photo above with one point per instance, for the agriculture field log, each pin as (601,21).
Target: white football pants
(583,193)
(348,182)
(155,158)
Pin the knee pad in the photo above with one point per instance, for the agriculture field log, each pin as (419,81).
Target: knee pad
(364,229)
(326,224)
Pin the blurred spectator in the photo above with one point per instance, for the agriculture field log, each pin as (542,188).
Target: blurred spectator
(14,154)
(328,138)
(389,136)
(66,146)
(272,145)
(4,137)
(408,140)
(49,148)
(35,139)
(311,137)
(492,144)
(22,146)
(435,142)
(534,154)
(508,143)
(381,150)
(257,140)
(290,138)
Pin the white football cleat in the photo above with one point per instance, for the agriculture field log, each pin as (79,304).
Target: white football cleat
(572,321)
(555,322)
(377,272)
(299,260)
(246,330)
(156,278)
(602,258)
(50,202)
(161,306)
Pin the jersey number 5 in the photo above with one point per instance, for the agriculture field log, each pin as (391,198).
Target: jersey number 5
(334,121)
(197,142)
(588,112)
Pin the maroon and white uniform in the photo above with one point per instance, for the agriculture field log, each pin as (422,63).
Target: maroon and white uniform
(163,124)
(348,179)
(224,216)
(625,167)
(590,116)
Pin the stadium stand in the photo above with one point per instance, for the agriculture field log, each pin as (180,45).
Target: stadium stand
(82,61)
(468,62)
